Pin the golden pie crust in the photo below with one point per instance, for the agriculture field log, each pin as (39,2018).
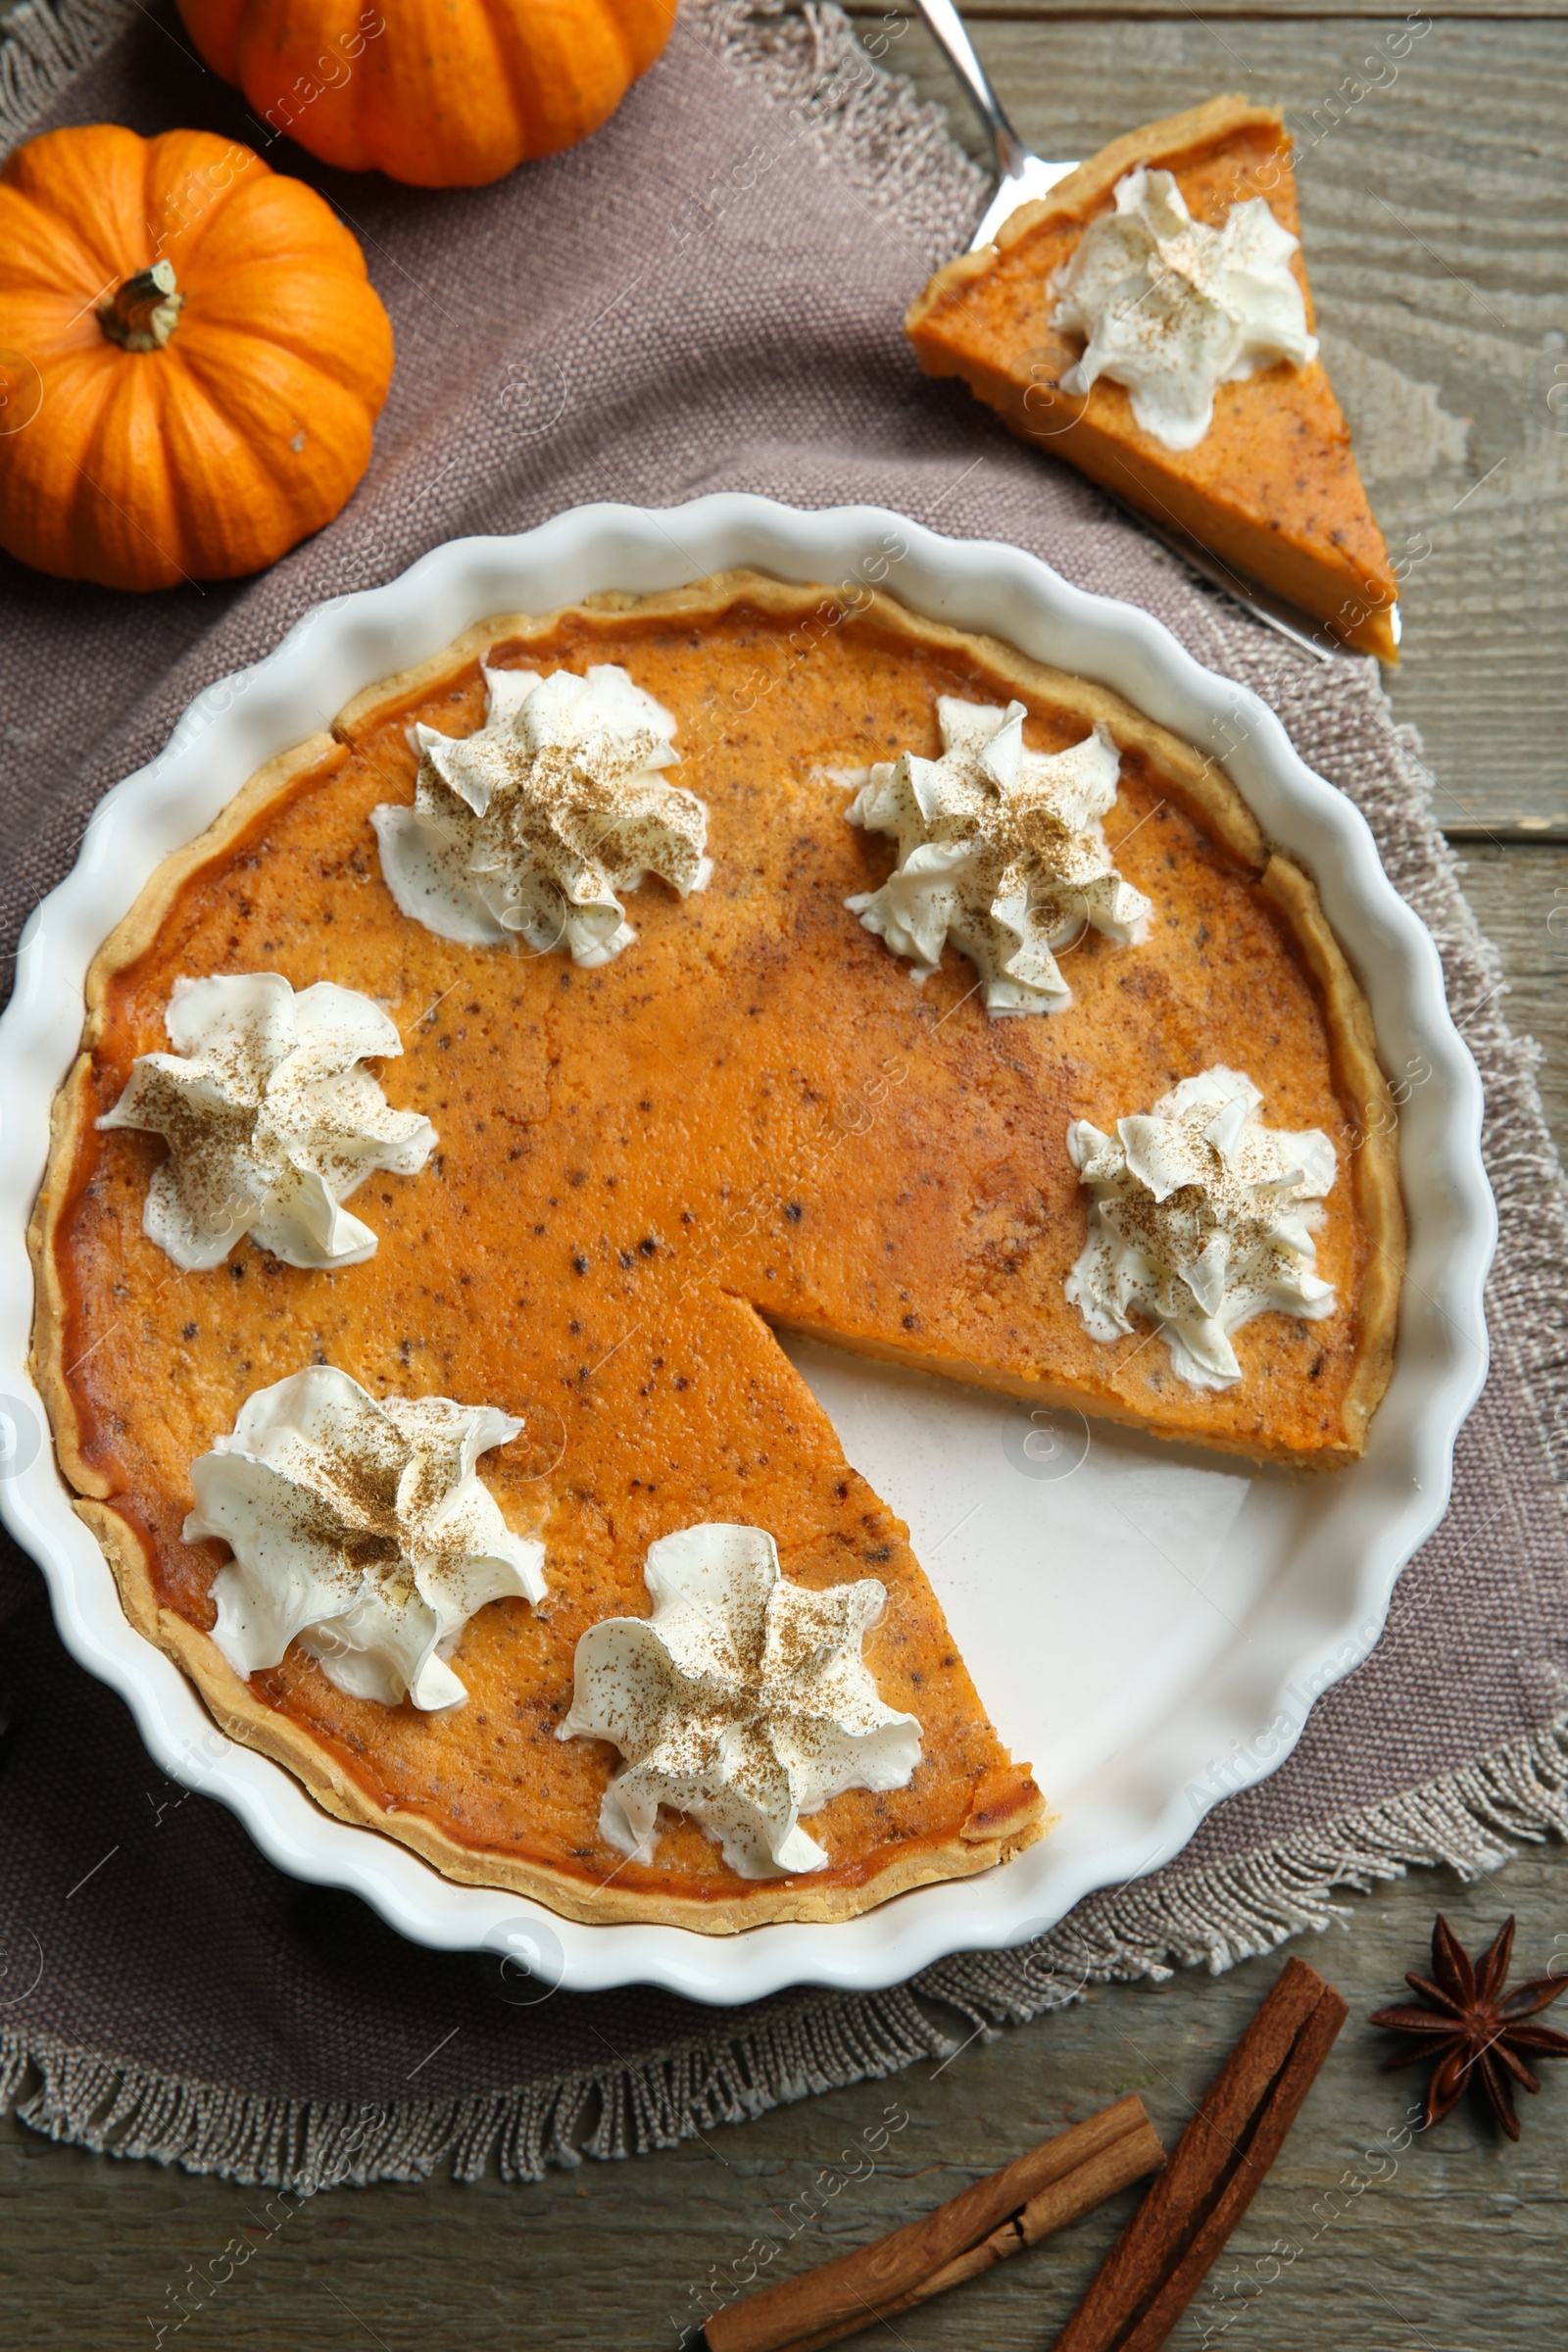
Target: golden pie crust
(749,1121)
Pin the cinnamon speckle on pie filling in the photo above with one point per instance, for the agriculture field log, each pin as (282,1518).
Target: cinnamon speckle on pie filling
(802,1141)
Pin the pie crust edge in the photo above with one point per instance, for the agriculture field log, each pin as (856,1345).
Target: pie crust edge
(992,1835)
(1166,139)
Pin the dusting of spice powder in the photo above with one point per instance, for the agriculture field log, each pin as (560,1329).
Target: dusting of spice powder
(744,1700)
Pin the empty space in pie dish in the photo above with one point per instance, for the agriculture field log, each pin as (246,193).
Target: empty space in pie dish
(1148,1625)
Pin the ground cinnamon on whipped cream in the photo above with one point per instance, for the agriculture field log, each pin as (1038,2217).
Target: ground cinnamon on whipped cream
(1172,308)
(1001,851)
(528,828)
(1202,1218)
(743,1701)
(360,1527)
(271,1121)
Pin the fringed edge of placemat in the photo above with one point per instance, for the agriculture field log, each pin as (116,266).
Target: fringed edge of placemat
(896,149)
(1231,1912)
(1245,1906)
(46,44)
(118,2108)
(899,154)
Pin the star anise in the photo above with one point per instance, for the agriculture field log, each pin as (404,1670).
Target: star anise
(1473,2028)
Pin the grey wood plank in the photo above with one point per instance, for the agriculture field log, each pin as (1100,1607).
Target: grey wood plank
(1454,2243)
(1434,215)
(1237,10)
(1521,897)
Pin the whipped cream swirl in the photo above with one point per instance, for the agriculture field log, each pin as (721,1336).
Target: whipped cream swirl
(361,1529)
(743,1701)
(271,1121)
(529,827)
(1172,308)
(1201,1218)
(1002,851)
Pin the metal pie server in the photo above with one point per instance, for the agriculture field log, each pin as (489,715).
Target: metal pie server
(1022,177)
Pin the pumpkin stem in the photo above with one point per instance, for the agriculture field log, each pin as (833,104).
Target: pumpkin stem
(141,314)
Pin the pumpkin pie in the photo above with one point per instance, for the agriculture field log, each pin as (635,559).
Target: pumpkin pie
(911,996)
(1162,276)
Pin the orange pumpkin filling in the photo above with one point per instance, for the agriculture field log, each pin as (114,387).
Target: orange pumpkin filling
(751,1118)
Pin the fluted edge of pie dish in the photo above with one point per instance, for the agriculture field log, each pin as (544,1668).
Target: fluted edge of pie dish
(1402,1485)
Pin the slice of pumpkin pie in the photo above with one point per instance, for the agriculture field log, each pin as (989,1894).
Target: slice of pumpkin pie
(1151,321)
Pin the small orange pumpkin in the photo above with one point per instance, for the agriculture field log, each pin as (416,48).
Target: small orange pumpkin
(191,355)
(442,93)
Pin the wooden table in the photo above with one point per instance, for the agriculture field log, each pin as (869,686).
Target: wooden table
(1433,214)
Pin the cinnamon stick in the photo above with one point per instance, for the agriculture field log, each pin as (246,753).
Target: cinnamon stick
(840,2296)
(1089,2184)
(1153,2270)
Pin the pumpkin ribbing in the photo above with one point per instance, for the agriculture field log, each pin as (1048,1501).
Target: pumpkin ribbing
(440,93)
(217,406)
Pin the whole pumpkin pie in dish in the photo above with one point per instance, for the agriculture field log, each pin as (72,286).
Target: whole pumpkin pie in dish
(1149,321)
(458,1122)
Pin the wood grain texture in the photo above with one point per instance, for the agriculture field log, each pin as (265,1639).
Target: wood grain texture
(1353,2240)
(1057,11)
(1521,897)
(1457,2240)
(1433,214)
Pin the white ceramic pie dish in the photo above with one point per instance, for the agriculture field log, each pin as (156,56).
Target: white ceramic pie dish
(1148,1626)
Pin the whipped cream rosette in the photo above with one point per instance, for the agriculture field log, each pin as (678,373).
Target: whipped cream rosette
(1201,1218)
(1172,308)
(1001,851)
(360,1527)
(531,826)
(269,1119)
(744,1700)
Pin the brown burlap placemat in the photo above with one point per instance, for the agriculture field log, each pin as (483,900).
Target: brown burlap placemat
(705,296)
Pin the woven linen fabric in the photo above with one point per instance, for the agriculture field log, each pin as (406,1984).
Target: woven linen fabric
(707,295)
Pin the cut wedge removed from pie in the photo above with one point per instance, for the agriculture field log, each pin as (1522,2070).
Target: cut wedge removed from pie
(764,960)
(1272,487)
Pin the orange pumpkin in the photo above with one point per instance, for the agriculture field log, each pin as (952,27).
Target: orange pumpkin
(193,353)
(444,93)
